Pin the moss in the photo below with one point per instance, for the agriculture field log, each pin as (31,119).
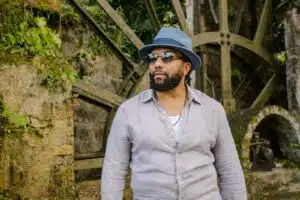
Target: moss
(239,123)
(254,120)
(260,189)
(60,185)
(54,72)
(8,195)
(68,16)
(26,38)
(12,122)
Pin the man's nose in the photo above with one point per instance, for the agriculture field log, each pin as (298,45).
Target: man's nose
(158,63)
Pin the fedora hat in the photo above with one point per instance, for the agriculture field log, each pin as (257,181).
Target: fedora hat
(173,38)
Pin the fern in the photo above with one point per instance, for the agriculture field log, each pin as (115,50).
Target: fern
(33,40)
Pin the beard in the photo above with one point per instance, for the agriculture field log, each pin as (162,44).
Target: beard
(169,83)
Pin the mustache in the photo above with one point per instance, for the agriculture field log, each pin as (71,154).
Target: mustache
(158,73)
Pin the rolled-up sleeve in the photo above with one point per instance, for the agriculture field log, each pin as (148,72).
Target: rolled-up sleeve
(227,163)
(116,159)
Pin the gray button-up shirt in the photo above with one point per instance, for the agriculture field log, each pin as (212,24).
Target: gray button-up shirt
(165,169)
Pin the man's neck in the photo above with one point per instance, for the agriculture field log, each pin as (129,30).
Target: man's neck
(173,101)
(176,94)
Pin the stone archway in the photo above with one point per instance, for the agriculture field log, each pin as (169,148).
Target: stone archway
(257,119)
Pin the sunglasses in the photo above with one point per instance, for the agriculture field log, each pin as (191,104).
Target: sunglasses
(166,57)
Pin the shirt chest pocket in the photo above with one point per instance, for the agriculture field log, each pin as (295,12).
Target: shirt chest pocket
(199,134)
(150,133)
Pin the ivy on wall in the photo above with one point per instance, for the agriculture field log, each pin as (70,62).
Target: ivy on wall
(27,38)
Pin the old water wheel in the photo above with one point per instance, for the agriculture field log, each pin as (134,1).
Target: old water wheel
(223,41)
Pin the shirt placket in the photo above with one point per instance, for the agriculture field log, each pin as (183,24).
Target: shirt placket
(178,148)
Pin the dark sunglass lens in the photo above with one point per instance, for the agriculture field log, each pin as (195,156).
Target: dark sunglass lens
(152,58)
(168,57)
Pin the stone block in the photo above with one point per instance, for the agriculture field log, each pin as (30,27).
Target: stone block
(15,83)
(37,123)
(64,150)
(27,157)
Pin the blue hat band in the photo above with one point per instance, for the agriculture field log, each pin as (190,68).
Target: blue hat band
(167,41)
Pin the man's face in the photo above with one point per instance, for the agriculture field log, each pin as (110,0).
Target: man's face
(167,69)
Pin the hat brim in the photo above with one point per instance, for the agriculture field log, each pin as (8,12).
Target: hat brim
(193,57)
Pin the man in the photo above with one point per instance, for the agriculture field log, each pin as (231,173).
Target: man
(175,139)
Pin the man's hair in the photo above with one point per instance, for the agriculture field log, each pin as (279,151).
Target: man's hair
(188,78)
(188,75)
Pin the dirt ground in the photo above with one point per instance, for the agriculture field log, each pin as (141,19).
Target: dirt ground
(90,190)
(289,189)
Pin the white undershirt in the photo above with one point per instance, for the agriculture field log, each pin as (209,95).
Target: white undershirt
(176,127)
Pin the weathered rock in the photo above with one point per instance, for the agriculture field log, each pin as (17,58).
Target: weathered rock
(102,71)
(292,43)
(15,83)
(36,162)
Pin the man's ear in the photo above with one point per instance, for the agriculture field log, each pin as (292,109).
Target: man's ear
(187,67)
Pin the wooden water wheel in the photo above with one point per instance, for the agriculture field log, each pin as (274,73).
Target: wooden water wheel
(227,40)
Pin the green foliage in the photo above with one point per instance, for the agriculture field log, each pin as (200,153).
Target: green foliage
(32,38)
(27,37)
(280,8)
(289,164)
(236,73)
(98,47)
(295,146)
(281,57)
(136,16)
(54,72)
(24,34)
(68,15)
(96,43)
(14,121)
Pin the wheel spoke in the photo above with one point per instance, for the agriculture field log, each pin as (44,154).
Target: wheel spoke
(262,26)
(265,93)
(181,18)
(223,7)
(226,72)
(226,86)
(121,23)
(101,32)
(152,13)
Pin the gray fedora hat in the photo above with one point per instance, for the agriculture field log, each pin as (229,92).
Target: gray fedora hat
(173,38)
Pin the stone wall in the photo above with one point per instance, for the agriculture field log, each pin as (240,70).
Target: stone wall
(292,43)
(99,67)
(37,161)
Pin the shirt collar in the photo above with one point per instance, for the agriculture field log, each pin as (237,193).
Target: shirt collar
(148,95)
